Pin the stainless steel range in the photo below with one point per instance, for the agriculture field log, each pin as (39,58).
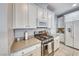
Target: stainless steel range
(47,43)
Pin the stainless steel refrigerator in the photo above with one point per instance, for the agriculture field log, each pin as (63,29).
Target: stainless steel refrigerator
(72,34)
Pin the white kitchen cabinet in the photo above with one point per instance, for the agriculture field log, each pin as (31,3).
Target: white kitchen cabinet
(49,20)
(40,20)
(53,24)
(68,18)
(28,51)
(32,15)
(34,50)
(56,42)
(40,13)
(61,22)
(20,13)
(18,53)
(45,13)
(72,16)
(25,15)
(62,37)
(42,17)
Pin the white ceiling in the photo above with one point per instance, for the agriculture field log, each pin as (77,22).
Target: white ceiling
(60,8)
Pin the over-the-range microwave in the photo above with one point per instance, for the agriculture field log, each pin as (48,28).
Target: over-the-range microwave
(42,23)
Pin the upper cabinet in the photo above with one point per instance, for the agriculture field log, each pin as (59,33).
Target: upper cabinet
(45,17)
(61,22)
(45,13)
(40,13)
(32,15)
(42,17)
(72,16)
(24,16)
(20,15)
(49,19)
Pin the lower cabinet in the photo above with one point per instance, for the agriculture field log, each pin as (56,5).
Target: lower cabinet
(62,38)
(34,50)
(56,43)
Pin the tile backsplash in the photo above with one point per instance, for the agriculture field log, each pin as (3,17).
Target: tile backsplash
(20,32)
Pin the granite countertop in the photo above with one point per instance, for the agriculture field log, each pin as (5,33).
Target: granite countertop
(24,44)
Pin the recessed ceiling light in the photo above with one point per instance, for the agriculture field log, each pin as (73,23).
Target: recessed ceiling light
(74,5)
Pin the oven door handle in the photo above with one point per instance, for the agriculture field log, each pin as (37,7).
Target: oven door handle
(48,43)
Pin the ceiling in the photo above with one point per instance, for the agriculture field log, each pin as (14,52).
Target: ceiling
(61,8)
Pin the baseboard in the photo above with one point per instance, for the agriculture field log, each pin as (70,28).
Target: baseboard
(72,47)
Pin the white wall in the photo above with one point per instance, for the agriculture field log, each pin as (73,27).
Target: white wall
(20,32)
(10,26)
(5,28)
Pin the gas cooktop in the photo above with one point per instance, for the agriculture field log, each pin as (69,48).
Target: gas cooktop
(43,38)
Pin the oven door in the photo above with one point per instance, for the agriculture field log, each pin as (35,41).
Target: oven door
(48,49)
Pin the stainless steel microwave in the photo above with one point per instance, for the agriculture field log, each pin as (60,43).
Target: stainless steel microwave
(42,23)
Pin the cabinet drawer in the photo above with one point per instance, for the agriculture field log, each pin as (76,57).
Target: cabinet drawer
(56,43)
(38,45)
(19,53)
(26,50)
(35,52)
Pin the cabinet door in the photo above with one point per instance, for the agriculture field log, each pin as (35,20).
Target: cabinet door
(32,15)
(68,18)
(53,24)
(76,15)
(56,43)
(76,34)
(61,22)
(69,34)
(20,15)
(33,51)
(40,13)
(72,16)
(19,53)
(36,52)
(62,39)
(49,19)
(45,14)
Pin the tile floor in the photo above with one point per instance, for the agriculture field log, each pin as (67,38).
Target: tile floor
(66,51)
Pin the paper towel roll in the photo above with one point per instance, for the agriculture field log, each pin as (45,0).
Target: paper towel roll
(26,35)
